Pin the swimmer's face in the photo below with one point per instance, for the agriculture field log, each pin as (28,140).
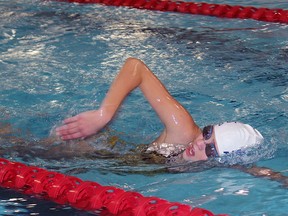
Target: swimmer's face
(195,150)
(202,147)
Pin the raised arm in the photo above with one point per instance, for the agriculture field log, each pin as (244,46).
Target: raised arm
(179,125)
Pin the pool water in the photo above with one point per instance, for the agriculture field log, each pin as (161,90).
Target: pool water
(58,59)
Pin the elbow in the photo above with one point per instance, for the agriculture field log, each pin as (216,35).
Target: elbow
(132,60)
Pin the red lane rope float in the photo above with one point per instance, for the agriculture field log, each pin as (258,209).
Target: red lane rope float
(218,10)
(87,195)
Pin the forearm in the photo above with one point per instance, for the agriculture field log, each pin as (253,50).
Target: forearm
(91,122)
(264,172)
(128,78)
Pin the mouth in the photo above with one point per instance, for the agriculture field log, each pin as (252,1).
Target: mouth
(190,151)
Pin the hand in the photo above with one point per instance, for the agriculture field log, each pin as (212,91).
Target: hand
(82,125)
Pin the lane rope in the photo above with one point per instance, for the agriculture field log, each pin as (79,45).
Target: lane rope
(88,195)
(218,10)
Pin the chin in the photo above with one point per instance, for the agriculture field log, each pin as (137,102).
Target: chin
(188,158)
(193,159)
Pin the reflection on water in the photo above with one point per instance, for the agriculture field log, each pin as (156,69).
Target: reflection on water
(13,203)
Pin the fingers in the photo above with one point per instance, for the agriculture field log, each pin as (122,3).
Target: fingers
(71,119)
(72,136)
(70,129)
(80,126)
(67,129)
(67,134)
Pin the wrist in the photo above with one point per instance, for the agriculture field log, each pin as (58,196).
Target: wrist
(106,113)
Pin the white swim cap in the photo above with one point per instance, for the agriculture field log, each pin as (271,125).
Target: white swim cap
(232,136)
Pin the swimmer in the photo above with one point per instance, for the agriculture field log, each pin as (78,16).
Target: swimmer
(181,136)
(52,148)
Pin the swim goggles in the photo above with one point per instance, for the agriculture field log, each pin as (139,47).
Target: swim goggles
(210,148)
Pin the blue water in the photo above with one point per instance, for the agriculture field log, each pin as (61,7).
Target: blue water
(58,59)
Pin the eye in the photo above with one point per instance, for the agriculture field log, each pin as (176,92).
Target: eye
(211,151)
(208,151)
